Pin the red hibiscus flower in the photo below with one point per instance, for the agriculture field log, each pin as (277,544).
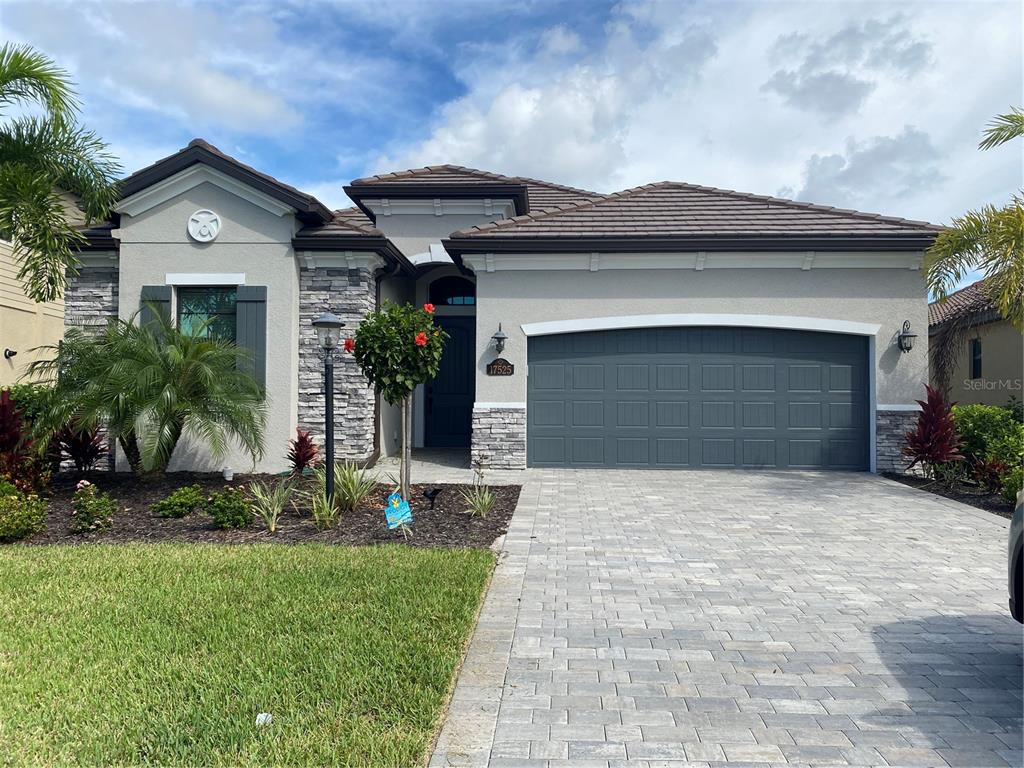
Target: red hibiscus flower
(428,308)
(350,344)
(421,339)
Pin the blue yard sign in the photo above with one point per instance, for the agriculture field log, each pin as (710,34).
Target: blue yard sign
(397,511)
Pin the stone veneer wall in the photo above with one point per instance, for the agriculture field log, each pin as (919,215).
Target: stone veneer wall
(350,294)
(891,428)
(90,301)
(499,437)
(91,297)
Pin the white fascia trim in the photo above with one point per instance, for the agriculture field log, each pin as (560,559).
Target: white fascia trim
(429,206)
(698,261)
(342,260)
(185,180)
(788,322)
(492,406)
(204,278)
(898,407)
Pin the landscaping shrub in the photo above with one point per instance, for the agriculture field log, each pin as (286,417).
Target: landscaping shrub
(21,515)
(351,485)
(480,498)
(18,462)
(8,488)
(269,500)
(302,452)
(934,441)
(84,447)
(983,426)
(229,508)
(181,502)
(1013,481)
(92,509)
(324,510)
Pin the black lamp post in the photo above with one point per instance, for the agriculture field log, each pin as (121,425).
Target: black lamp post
(328,333)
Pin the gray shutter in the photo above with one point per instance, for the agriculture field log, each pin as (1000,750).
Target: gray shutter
(251,328)
(156,297)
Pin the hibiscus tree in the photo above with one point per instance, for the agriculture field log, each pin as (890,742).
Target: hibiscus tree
(399,347)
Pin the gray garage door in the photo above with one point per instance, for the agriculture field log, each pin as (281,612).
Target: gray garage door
(698,397)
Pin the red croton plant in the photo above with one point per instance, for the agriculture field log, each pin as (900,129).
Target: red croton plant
(934,442)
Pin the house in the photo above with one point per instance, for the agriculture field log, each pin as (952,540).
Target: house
(670,325)
(988,366)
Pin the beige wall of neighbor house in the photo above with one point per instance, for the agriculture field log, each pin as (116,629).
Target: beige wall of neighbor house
(252,242)
(883,297)
(24,324)
(1002,366)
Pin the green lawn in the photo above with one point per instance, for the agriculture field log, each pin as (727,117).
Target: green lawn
(166,653)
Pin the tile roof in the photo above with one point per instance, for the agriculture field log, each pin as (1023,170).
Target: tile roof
(543,195)
(670,209)
(969,300)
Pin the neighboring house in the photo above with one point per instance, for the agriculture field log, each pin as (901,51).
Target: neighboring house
(669,325)
(990,357)
(24,324)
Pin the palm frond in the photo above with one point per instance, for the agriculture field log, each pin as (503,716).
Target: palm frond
(27,76)
(1003,128)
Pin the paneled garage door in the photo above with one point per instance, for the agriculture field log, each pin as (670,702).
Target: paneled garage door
(698,397)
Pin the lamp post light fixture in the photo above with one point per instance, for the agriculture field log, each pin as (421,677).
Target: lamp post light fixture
(905,340)
(328,334)
(499,339)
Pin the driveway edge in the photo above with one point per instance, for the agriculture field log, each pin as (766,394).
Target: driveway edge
(468,732)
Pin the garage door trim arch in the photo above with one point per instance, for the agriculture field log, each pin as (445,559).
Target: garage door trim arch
(782,322)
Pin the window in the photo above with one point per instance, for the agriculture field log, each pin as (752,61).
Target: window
(452,292)
(208,312)
(975,358)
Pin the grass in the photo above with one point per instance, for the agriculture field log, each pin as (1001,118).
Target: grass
(165,654)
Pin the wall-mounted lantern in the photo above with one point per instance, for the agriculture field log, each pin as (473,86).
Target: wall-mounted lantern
(499,339)
(905,340)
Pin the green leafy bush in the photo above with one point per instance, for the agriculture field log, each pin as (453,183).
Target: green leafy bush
(8,488)
(91,509)
(229,508)
(1012,484)
(21,515)
(351,485)
(988,432)
(181,502)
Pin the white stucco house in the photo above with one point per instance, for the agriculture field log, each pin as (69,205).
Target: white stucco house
(670,325)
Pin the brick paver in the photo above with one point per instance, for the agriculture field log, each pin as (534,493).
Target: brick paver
(668,618)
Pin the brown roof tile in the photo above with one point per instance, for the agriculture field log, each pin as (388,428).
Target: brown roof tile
(969,300)
(669,209)
(542,194)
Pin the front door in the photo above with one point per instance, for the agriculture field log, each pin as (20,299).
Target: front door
(449,397)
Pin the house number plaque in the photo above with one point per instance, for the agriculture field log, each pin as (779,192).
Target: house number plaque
(500,367)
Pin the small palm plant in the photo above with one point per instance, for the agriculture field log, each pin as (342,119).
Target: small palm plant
(149,386)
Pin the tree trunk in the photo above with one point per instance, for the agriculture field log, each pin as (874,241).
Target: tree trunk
(130,445)
(407,446)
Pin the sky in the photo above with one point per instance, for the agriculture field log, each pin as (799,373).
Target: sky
(875,106)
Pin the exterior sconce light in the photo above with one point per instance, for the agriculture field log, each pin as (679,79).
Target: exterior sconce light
(328,334)
(499,339)
(905,340)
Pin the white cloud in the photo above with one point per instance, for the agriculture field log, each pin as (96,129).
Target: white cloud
(672,91)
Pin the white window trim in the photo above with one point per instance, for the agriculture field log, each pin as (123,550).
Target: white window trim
(785,322)
(204,278)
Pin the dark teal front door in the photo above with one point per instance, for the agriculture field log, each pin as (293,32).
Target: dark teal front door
(449,397)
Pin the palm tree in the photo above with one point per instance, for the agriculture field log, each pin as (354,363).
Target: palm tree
(990,240)
(41,160)
(150,385)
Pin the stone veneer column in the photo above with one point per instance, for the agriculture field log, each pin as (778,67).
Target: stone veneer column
(499,437)
(891,428)
(350,294)
(91,298)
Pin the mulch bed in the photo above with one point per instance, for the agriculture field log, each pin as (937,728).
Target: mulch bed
(990,502)
(447,525)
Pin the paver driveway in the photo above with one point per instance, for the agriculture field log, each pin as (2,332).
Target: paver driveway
(654,618)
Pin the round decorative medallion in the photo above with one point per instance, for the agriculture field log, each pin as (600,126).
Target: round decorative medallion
(203,225)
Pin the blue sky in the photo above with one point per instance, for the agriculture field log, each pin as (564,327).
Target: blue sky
(876,106)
